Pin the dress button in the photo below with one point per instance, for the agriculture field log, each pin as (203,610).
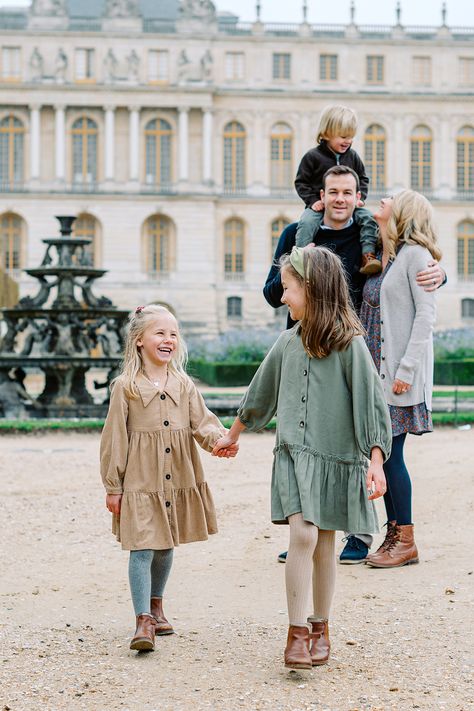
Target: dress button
(382,340)
(166,423)
(383,357)
(305,372)
(168,476)
(382,376)
(167,450)
(168,504)
(381,322)
(303,399)
(301,423)
(162,396)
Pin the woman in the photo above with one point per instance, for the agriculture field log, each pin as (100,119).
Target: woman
(399,318)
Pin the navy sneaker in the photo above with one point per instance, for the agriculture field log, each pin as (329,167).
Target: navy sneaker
(355,551)
(282,557)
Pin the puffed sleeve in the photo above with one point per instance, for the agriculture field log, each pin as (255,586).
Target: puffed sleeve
(114,442)
(259,403)
(206,427)
(371,416)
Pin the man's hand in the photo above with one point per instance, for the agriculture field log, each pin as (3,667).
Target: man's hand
(317,206)
(431,278)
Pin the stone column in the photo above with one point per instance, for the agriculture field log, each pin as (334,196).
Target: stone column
(259,177)
(444,158)
(60,143)
(134,144)
(109,171)
(183,137)
(35,142)
(207,122)
(398,156)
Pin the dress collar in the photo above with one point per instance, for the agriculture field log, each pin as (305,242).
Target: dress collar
(148,391)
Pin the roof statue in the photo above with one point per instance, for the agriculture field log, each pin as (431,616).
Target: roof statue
(197,15)
(48,8)
(122,8)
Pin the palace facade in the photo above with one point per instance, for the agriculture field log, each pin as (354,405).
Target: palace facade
(174,132)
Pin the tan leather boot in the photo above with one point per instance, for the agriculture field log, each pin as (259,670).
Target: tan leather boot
(370,264)
(391,530)
(320,644)
(400,551)
(144,639)
(162,626)
(297,654)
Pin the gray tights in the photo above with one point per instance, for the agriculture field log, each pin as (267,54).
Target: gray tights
(148,572)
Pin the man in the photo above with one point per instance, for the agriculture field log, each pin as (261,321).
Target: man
(339,232)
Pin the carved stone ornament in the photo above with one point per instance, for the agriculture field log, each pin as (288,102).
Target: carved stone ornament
(122,8)
(52,8)
(204,10)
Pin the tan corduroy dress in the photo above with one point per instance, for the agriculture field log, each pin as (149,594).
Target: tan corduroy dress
(148,454)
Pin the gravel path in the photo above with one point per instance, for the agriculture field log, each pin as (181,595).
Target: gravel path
(402,639)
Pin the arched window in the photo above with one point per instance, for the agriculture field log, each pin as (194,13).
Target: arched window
(84,134)
(278,226)
(375,147)
(465,159)
(12,133)
(234,307)
(11,232)
(159,244)
(86,226)
(234,257)
(466,250)
(158,140)
(281,142)
(234,156)
(421,158)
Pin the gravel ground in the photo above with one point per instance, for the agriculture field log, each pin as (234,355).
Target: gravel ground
(402,639)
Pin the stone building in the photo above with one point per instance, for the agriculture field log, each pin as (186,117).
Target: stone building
(174,132)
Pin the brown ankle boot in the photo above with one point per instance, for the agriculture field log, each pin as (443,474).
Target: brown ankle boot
(391,531)
(297,654)
(162,626)
(144,639)
(320,644)
(370,264)
(401,550)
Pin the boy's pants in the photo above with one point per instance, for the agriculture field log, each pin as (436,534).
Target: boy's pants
(310,222)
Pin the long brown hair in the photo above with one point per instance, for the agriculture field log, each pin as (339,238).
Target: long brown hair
(329,322)
(411,222)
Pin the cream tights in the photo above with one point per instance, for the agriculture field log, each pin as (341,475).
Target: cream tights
(311,554)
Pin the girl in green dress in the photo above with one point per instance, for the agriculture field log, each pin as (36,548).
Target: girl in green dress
(320,381)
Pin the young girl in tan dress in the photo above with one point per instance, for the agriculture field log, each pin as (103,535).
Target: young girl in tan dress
(150,464)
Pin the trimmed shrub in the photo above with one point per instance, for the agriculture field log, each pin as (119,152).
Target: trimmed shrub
(454,372)
(222,374)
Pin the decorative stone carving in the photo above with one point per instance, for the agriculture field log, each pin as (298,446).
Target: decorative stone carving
(197,16)
(110,66)
(60,66)
(122,8)
(36,65)
(194,71)
(206,65)
(133,66)
(51,8)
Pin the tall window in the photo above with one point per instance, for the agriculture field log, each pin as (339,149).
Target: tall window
(328,67)
(10,242)
(159,245)
(278,226)
(466,250)
(234,257)
(466,71)
(11,152)
(281,156)
(234,65)
(422,71)
(467,308)
(234,156)
(84,151)
(85,226)
(234,307)
(158,66)
(421,158)
(11,66)
(465,159)
(375,69)
(158,138)
(375,146)
(85,64)
(281,65)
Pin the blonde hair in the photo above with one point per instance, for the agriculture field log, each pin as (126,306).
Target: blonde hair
(132,363)
(336,121)
(411,222)
(329,322)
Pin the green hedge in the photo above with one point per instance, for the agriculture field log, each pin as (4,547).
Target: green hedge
(222,374)
(454,372)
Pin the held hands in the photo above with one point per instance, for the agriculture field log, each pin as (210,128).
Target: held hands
(431,278)
(400,387)
(375,478)
(226,446)
(113,503)
(317,206)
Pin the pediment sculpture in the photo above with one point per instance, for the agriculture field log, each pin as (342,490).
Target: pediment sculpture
(44,8)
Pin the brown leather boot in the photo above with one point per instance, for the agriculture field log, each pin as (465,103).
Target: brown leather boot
(297,654)
(320,644)
(162,626)
(390,533)
(400,551)
(370,264)
(144,639)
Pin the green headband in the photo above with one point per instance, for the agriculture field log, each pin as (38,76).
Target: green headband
(297,260)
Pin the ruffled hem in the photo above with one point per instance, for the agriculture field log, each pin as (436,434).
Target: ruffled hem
(330,492)
(146,521)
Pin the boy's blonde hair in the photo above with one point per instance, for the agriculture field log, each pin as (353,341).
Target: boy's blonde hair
(132,364)
(411,222)
(336,121)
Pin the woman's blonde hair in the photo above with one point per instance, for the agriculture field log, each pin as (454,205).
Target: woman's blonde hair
(411,222)
(132,364)
(329,322)
(336,121)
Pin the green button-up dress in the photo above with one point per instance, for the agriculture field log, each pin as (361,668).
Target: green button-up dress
(330,413)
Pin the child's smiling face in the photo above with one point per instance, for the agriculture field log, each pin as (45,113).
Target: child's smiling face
(340,144)
(159,340)
(293,294)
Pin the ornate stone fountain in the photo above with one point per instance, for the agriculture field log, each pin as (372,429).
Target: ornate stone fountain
(63,330)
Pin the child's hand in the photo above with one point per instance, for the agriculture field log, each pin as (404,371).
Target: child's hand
(375,481)
(225,444)
(228,452)
(113,502)
(360,203)
(317,206)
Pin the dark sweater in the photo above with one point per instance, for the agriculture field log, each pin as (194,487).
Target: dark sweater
(345,243)
(309,178)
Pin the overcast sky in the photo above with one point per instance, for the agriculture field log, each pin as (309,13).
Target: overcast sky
(414,12)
